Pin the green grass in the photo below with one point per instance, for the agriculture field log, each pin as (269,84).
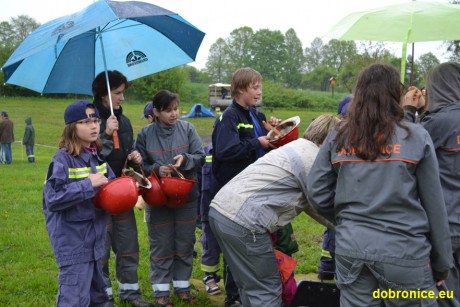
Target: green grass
(28,272)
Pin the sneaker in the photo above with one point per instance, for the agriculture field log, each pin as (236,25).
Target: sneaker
(186,296)
(235,303)
(163,301)
(137,302)
(211,285)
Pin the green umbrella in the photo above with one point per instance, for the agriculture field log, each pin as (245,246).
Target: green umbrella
(407,22)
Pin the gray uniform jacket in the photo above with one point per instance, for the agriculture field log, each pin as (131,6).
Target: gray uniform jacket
(158,144)
(390,210)
(443,124)
(269,193)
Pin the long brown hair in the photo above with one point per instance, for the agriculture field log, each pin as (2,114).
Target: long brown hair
(71,142)
(374,112)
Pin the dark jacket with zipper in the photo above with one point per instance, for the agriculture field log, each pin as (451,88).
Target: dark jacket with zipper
(234,142)
(116,157)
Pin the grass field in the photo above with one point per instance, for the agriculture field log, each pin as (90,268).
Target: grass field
(28,272)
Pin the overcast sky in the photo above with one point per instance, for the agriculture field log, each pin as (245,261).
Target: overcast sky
(217,18)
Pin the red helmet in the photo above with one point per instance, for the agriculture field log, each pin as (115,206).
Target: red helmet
(143,182)
(176,190)
(154,196)
(289,128)
(118,196)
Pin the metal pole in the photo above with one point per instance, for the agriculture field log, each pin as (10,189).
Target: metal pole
(116,143)
(106,73)
(412,67)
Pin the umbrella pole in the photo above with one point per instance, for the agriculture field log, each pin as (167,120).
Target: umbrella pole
(116,143)
(412,67)
(403,62)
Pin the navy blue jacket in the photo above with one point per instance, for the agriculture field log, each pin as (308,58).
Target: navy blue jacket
(75,226)
(234,142)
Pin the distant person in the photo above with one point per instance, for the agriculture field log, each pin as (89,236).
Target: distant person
(148,112)
(210,256)
(29,140)
(6,136)
(343,106)
(326,268)
(75,226)
(122,235)
(377,178)
(150,117)
(265,196)
(224,92)
(441,118)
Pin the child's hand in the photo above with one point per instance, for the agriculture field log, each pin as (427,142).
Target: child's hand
(98,180)
(265,142)
(135,156)
(179,160)
(274,121)
(164,171)
(140,204)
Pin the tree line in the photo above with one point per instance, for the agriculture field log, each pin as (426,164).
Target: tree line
(279,57)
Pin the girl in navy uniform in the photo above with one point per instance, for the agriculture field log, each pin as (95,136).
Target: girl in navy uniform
(75,226)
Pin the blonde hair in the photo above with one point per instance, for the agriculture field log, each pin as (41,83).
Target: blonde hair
(319,128)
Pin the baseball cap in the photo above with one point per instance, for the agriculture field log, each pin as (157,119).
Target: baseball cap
(77,111)
(148,109)
(343,105)
(4,113)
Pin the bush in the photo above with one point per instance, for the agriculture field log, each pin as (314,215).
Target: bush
(275,95)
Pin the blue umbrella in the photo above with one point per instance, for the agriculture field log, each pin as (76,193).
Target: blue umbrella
(135,38)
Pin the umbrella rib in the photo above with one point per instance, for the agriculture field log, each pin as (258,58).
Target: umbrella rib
(114,27)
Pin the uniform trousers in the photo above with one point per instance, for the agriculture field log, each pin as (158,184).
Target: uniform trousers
(81,285)
(122,238)
(171,237)
(252,261)
(371,283)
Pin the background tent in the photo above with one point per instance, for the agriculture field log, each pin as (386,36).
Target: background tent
(198,110)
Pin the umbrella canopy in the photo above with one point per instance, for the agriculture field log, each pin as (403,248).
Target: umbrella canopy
(408,22)
(135,38)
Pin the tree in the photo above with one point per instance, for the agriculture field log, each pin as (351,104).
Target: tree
(374,52)
(239,49)
(6,34)
(318,79)
(197,76)
(172,79)
(22,26)
(11,35)
(426,62)
(216,65)
(270,55)
(295,60)
(453,47)
(336,53)
(314,54)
